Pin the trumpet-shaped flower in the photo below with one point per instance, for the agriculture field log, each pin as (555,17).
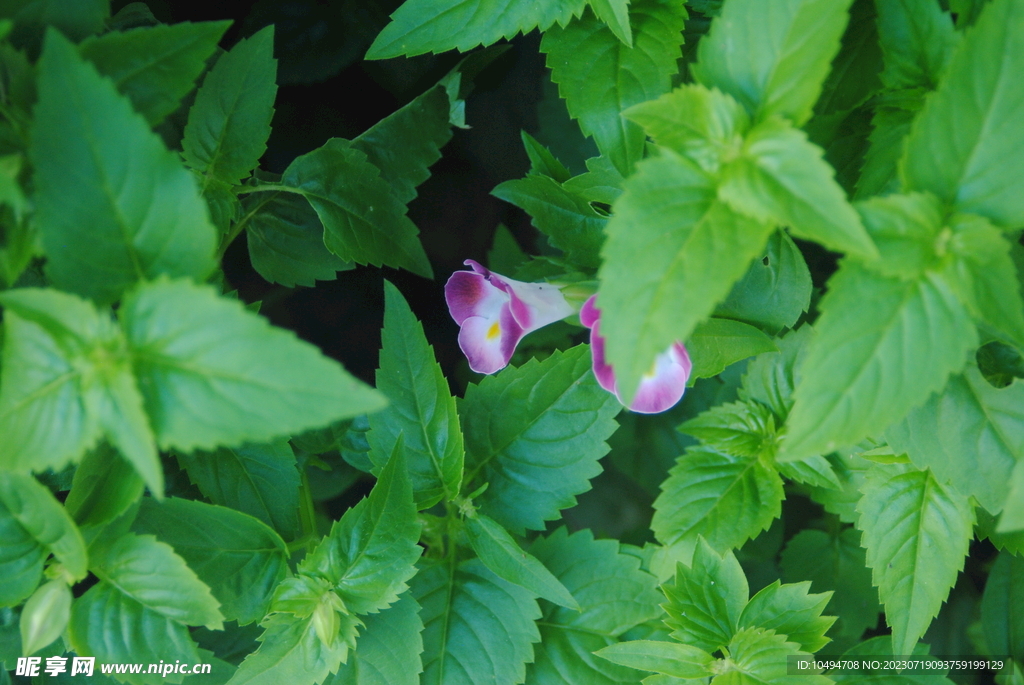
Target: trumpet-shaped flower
(660,388)
(495,312)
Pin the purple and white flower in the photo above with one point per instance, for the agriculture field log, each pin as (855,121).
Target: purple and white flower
(495,312)
(660,388)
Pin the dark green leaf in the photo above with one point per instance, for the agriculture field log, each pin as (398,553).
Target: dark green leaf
(104,487)
(854,75)
(762,656)
(670,658)
(30,506)
(292,652)
(792,611)
(739,428)
(535,433)
(132,211)
(155,66)
(389,648)
(716,343)
(229,123)
(770,377)
(542,162)
(917,40)
(1002,607)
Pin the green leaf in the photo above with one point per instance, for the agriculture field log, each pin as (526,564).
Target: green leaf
(599,76)
(364,221)
(259,480)
(615,13)
(389,648)
(835,562)
(968,417)
(104,487)
(601,183)
(214,374)
(535,433)
(791,611)
(73,18)
(739,428)
(507,560)
(781,177)
(542,162)
(422,411)
(505,255)
(706,599)
(31,507)
(155,66)
(286,241)
(370,553)
(114,628)
(569,221)
(406,143)
(771,376)
(881,347)
(717,343)
(673,252)
(237,556)
(420,26)
(291,652)
(980,271)
(614,595)
(45,616)
(1013,512)
(697,122)
(891,124)
(788,49)
(917,40)
(1002,607)
(133,212)
(916,533)
(758,656)
(775,291)
(965,146)
(150,573)
(229,123)
(477,627)
(669,658)
(854,76)
(815,470)
(725,499)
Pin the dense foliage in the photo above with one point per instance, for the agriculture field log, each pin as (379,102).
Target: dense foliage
(852,439)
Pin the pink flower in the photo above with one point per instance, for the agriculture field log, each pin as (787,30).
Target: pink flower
(495,313)
(660,388)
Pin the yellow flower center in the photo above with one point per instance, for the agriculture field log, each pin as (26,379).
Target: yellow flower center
(494,331)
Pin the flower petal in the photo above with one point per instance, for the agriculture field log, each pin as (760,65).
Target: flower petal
(661,389)
(471,294)
(488,343)
(534,305)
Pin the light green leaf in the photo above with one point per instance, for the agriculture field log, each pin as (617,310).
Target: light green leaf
(155,66)
(881,347)
(477,627)
(775,291)
(507,560)
(792,611)
(815,470)
(981,271)
(835,562)
(599,76)
(291,652)
(542,162)
(601,183)
(916,533)
(614,594)
(697,122)
(717,343)
(673,252)
(369,554)
(669,658)
(150,573)
(21,561)
(31,506)
(420,26)
(229,123)
(406,143)
(1013,511)
(771,376)
(214,374)
(758,657)
(1002,607)
(851,470)
(739,428)
(240,558)
(286,241)
(970,435)
(114,628)
(706,599)
(104,487)
(364,221)
(615,13)
(259,480)
(422,411)
(905,229)
(45,616)
(966,146)
(725,499)
(917,40)
(788,49)
(569,221)
(132,212)
(535,433)
(781,177)
(388,650)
